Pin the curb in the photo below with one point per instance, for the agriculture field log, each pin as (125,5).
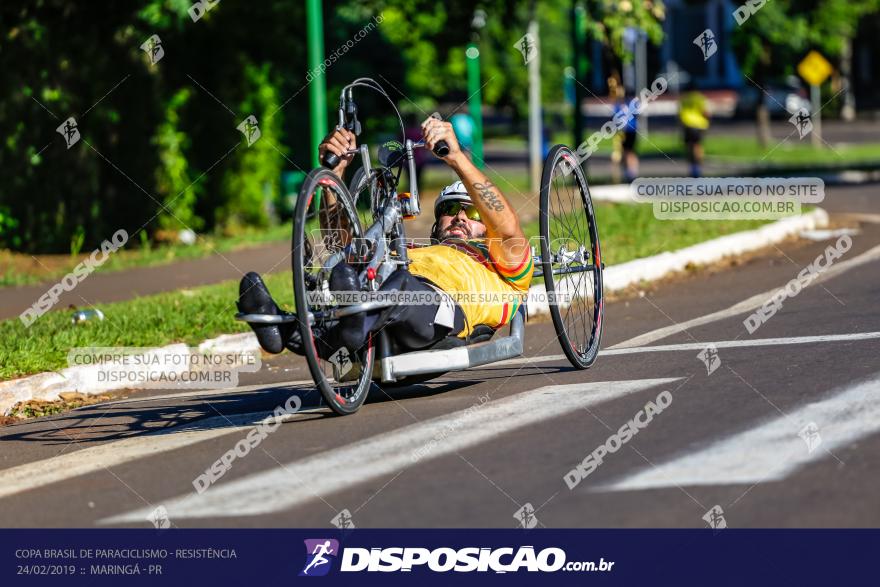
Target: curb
(619,193)
(84,378)
(621,276)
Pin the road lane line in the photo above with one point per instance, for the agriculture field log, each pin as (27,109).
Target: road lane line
(772,450)
(696,346)
(335,470)
(96,458)
(744,306)
(729,344)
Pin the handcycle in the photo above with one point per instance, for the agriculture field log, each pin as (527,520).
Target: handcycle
(328,228)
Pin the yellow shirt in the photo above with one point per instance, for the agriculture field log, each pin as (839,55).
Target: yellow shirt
(488,292)
(692,111)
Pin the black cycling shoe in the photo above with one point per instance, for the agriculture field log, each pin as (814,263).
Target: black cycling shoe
(351,333)
(254,298)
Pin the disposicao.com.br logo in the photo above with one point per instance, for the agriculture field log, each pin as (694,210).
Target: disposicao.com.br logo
(320,553)
(444,559)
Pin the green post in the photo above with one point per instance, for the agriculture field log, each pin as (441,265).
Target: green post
(475,101)
(317,87)
(579,39)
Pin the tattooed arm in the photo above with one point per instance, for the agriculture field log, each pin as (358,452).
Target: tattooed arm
(507,243)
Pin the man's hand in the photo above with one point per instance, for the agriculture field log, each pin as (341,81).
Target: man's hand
(436,130)
(339,142)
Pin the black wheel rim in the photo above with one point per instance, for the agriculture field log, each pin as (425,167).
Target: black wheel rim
(571,257)
(343,378)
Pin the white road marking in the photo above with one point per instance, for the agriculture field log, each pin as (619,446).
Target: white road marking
(747,305)
(96,458)
(772,450)
(335,470)
(696,346)
(522,360)
(824,234)
(729,344)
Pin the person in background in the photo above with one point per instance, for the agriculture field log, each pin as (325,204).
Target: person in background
(629,133)
(694,115)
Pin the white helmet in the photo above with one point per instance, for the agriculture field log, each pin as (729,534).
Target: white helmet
(454,192)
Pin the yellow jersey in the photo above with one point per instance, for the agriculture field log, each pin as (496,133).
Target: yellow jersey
(692,111)
(487,291)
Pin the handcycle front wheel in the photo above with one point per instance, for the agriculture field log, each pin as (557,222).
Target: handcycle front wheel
(318,242)
(571,257)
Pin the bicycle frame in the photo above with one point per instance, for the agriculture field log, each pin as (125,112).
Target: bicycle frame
(387,241)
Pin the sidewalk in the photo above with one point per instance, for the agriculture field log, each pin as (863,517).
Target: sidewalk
(115,286)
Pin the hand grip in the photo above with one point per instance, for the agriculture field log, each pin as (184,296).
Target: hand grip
(441,149)
(330,160)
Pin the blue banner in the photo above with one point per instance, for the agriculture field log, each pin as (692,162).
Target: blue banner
(437,557)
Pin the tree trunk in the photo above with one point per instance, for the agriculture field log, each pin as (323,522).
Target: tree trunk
(762,116)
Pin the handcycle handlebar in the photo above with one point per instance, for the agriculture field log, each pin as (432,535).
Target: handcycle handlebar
(331,160)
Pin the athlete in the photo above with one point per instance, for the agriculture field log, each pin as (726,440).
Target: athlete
(478,268)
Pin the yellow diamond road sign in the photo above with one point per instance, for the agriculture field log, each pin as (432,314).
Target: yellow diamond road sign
(814,68)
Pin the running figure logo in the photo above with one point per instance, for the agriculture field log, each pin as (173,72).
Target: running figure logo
(715,518)
(341,361)
(319,555)
(810,435)
(343,520)
(70,131)
(526,46)
(526,516)
(153,48)
(802,122)
(710,358)
(250,129)
(706,42)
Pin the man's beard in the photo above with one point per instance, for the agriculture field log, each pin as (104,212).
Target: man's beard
(448,233)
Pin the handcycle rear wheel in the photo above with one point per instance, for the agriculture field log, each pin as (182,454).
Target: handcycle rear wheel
(344,378)
(571,257)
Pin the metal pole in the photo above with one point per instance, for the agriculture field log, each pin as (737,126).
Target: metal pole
(317,87)
(475,101)
(535,139)
(642,73)
(816,115)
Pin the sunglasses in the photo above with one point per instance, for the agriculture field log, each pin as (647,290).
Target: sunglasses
(453,208)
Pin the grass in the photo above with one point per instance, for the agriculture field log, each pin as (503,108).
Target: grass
(41,408)
(745,150)
(190,316)
(628,231)
(22,269)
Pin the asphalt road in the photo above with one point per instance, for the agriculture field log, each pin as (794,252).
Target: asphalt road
(782,432)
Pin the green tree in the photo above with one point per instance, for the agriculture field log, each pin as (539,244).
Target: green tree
(251,183)
(174,179)
(774,39)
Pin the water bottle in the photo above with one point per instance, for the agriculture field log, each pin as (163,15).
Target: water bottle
(81,316)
